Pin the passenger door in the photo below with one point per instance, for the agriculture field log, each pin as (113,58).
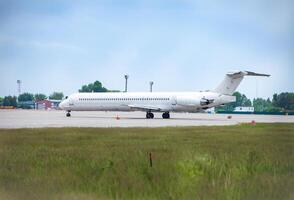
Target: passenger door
(174,100)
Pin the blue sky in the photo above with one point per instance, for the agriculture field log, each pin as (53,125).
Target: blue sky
(182,45)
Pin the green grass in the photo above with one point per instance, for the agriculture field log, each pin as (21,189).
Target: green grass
(232,162)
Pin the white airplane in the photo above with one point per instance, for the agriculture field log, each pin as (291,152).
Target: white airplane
(150,102)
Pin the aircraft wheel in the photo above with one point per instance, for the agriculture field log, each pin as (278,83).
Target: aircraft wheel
(149,115)
(166,115)
(68,114)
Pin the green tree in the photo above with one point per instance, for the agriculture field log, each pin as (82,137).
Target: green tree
(9,101)
(12,100)
(284,100)
(290,101)
(275,99)
(247,102)
(262,105)
(56,96)
(1,101)
(6,101)
(93,87)
(25,97)
(39,97)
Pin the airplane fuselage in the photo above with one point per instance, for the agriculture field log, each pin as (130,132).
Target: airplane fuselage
(153,101)
(158,101)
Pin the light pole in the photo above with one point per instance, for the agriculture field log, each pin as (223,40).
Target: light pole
(126,84)
(151,85)
(18,86)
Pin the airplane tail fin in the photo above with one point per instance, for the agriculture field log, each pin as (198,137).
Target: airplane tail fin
(232,81)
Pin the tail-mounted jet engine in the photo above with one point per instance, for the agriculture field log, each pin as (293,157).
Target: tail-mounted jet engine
(205,102)
(193,102)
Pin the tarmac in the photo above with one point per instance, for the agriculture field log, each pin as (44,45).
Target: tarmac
(10,119)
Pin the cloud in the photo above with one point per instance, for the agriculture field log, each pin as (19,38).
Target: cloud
(53,45)
(181,44)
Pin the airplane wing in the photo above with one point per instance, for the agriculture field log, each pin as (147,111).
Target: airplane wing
(146,107)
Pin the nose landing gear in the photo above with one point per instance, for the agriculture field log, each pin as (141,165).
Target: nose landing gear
(68,113)
(166,115)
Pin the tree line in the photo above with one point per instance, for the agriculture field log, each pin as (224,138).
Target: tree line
(28,97)
(95,87)
(282,102)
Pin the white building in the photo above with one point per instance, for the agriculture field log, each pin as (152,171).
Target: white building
(244,109)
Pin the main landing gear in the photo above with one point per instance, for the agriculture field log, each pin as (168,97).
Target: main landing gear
(166,115)
(68,113)
(149,115)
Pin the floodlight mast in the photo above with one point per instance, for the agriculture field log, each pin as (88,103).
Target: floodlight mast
(126,83)
(151,85)
(18,86)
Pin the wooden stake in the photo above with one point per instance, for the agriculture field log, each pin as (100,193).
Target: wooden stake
(150,159)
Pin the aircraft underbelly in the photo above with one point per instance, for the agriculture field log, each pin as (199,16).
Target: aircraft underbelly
(180,108)
(125,107)
(100,107)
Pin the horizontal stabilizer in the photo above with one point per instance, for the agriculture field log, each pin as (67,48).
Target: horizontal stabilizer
(245,73)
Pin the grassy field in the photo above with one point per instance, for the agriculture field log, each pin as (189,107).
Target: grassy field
(232,162)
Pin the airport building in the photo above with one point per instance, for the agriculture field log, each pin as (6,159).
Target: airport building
(47,104)
(244,109)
